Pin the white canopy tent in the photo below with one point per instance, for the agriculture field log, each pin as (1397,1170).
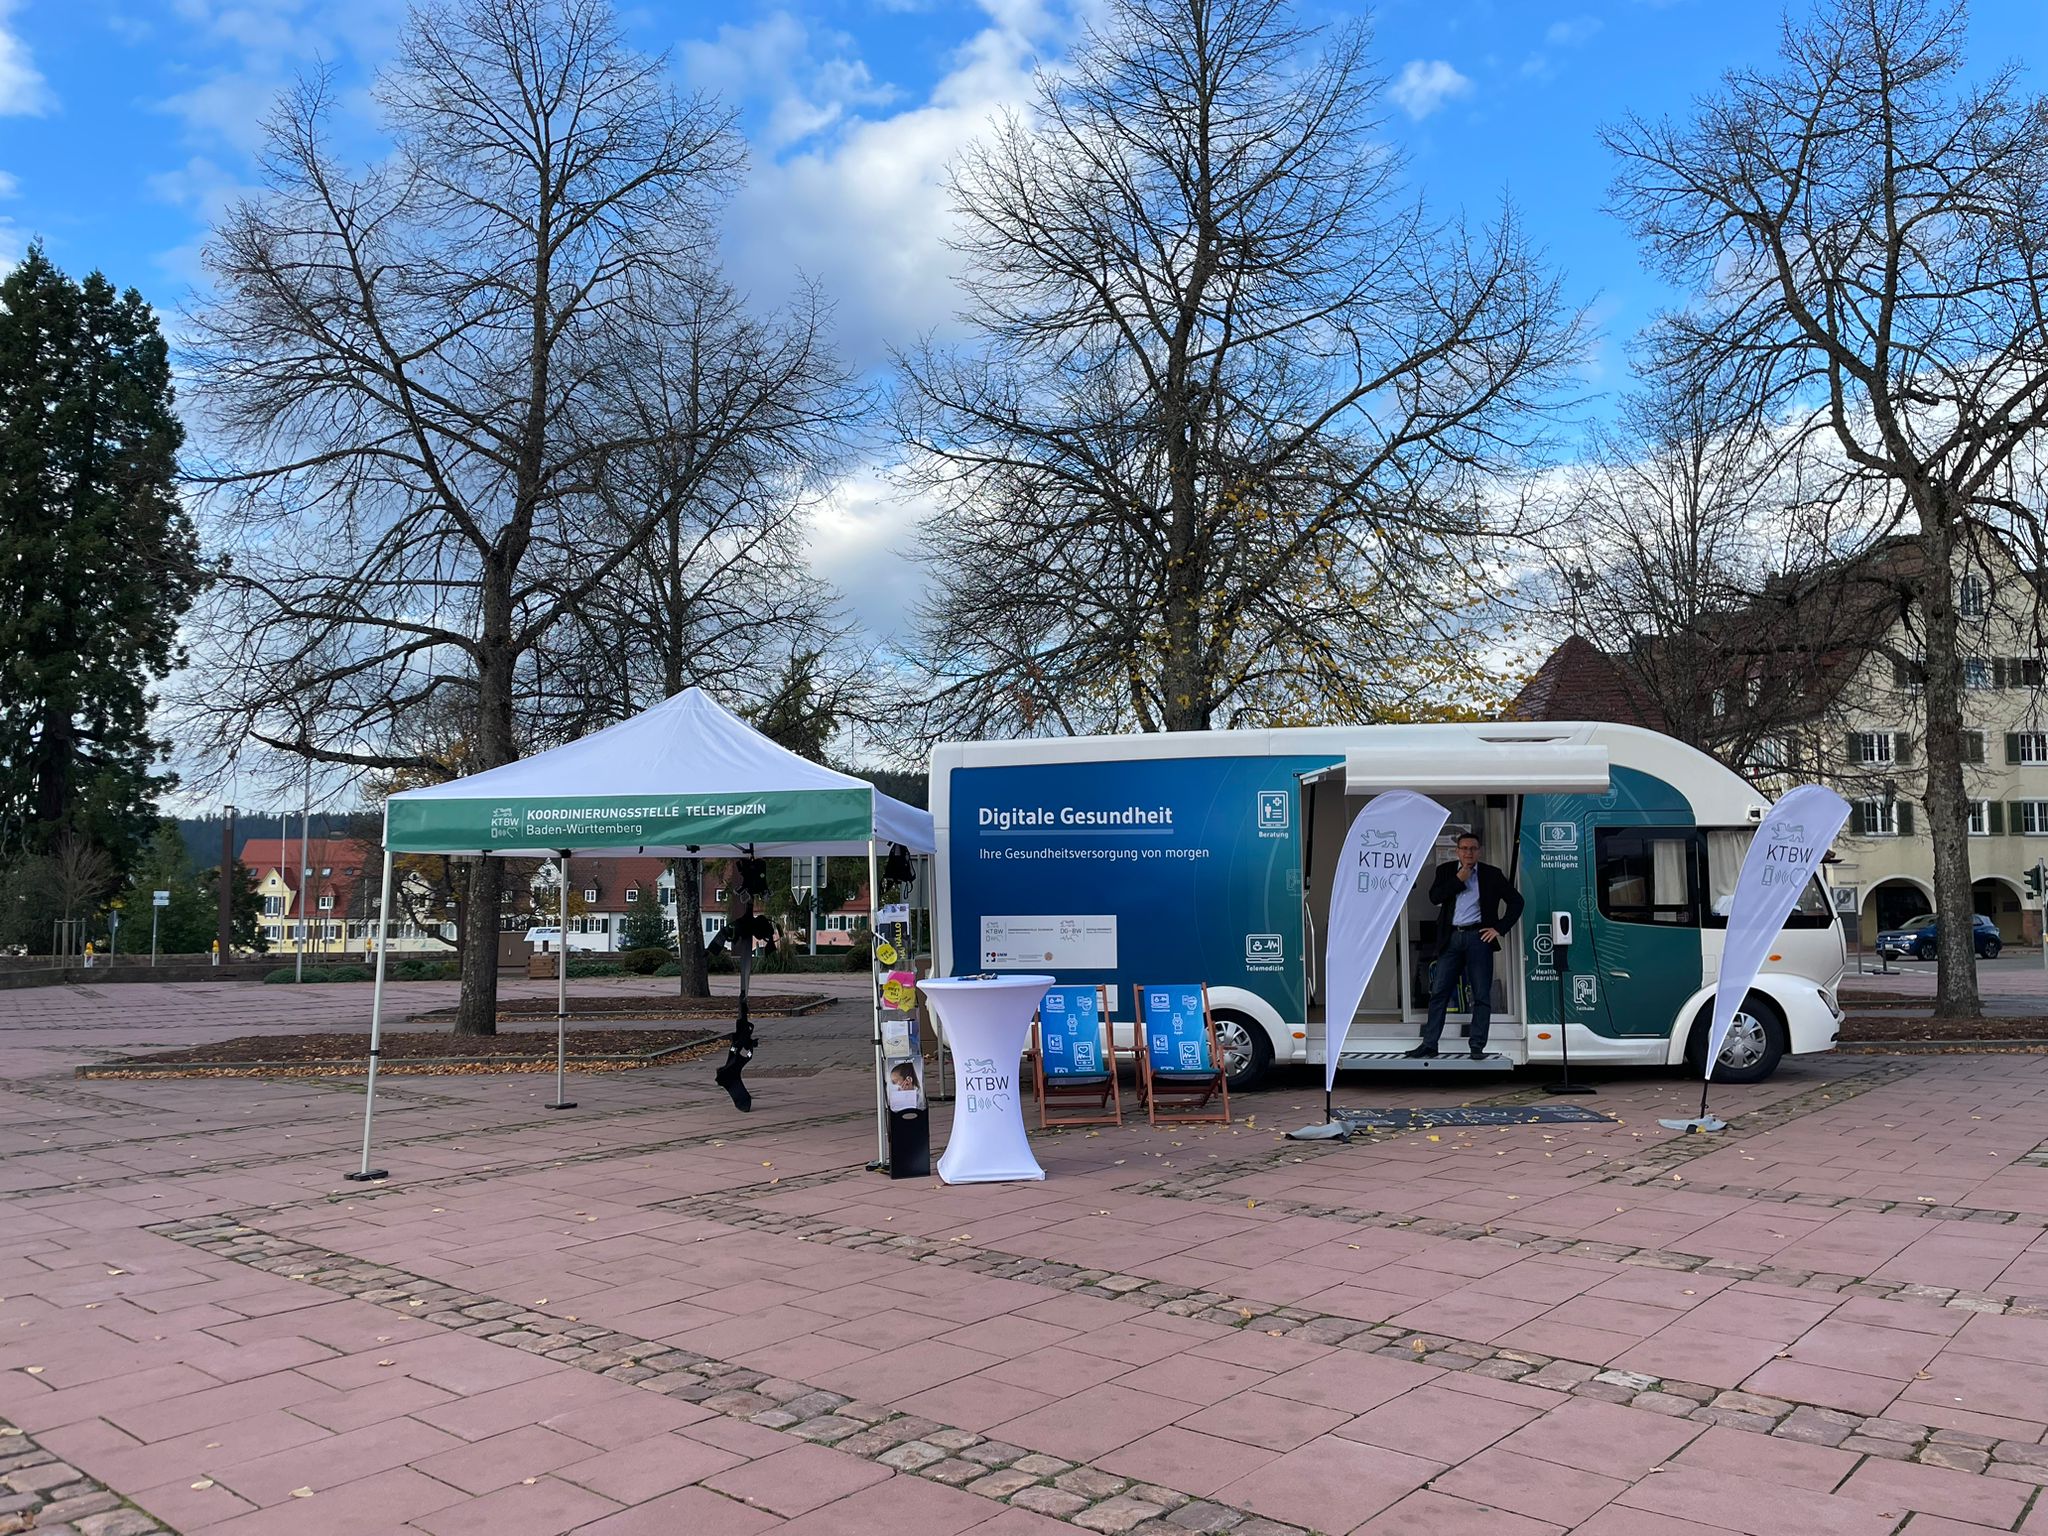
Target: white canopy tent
(685,779)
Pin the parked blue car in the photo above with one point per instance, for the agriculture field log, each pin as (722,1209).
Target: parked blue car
(1916,938)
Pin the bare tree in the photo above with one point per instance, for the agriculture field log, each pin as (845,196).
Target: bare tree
(1705,559)
(416,375)
(742,421)
(1867,244)
(1233,397)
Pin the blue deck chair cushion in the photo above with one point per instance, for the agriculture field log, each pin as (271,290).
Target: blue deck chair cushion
(1176,1032)
(1070,1033)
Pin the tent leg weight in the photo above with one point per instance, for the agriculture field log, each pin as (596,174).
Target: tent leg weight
(736,1059)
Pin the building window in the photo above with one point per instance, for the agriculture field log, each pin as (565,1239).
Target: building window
(1980,818)
(1973,746)
(1720,702)
(2029,747)
(1970,597)
(590,893)
(720,897)
(1877,818)
(1976,672)
(325,871)
(632,893)
(273,906)
(665,894)
(1772,752)
(1875,748)
(2034,818)
(327,902)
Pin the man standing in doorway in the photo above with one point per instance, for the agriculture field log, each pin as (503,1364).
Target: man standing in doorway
(1475,905)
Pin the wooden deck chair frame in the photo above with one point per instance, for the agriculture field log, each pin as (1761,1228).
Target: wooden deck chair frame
(1103,1093)
(1182,1098)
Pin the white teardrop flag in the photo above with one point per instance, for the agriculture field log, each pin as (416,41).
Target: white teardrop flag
(1782,859)
(1383,853)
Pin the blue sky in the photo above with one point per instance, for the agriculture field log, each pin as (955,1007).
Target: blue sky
(126,124)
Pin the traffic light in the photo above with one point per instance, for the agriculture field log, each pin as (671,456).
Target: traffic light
(2037,879)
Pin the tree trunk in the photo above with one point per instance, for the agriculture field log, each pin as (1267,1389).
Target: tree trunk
(477,1011)
(694,973)
(1948,815)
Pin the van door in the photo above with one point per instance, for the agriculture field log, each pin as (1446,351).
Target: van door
(1649,884)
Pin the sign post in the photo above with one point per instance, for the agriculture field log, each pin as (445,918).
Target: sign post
(158,900)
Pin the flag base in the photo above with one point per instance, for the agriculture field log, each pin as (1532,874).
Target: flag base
(1329,1130)
(1557,1088)
(1696,1126)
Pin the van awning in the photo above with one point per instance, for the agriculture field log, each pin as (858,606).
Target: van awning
(1479,768)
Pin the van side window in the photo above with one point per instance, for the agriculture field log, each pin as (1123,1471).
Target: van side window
(1726,849)
(1649,875)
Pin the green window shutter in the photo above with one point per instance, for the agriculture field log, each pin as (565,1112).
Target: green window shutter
(2012,746)
(2000,672)
(1905,818)
(1902,747)
(1973,746)
(1995,818)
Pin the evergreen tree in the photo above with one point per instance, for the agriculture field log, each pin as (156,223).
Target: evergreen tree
(647,927)
(189,925)
(100,561)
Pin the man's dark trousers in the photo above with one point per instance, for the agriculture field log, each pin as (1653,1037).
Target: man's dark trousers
(1472,957)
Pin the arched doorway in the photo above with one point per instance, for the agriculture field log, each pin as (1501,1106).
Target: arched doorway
(2000,900)
(1891,903)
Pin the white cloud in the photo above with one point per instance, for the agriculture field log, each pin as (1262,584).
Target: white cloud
(1572,32)
(863,207)
(863,540)
(810,82)
(1424,85)
(23,91)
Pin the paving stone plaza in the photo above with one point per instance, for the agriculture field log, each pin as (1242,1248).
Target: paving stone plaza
(654,1315)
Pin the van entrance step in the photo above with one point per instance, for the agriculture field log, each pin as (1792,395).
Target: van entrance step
(1449,1061)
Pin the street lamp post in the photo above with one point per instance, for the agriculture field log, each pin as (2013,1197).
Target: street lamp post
(226,939)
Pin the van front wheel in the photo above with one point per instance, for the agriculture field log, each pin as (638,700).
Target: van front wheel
(1247,1053)
(1753,1049)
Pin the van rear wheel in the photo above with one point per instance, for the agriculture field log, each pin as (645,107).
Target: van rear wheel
(1247,1053)
(1753,1049)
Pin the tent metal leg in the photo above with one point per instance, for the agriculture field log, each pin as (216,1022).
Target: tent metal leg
(562,1099)
(875,1005)
(366,1173)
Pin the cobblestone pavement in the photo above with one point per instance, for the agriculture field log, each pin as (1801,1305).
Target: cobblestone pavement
(655,1315)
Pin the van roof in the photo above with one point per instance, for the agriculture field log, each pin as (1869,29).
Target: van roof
(1719,796)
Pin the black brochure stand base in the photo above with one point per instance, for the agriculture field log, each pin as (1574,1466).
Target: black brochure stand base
(910,1143)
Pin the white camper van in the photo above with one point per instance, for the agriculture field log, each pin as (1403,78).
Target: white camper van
(1208,856)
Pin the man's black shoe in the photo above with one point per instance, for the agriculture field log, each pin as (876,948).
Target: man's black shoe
(1479,1053)
(1420,1053)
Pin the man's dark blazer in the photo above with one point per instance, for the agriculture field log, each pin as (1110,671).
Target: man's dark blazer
(1500,904)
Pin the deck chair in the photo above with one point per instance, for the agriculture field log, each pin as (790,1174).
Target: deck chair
(1072,1061)
(1180,1066)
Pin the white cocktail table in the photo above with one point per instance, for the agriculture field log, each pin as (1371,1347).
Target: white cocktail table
(987,1025)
